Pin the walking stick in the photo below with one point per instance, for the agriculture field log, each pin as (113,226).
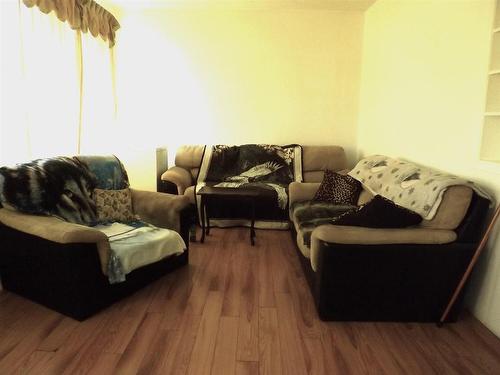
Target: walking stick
(473,261)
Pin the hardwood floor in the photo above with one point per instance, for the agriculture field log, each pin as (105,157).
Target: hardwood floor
(236,309)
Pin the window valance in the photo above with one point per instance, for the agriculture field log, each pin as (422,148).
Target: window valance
(81,15)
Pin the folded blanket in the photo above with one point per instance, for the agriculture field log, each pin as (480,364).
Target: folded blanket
(409,185)
(135,246)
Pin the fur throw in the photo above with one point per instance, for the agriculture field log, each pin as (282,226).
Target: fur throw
(59,186)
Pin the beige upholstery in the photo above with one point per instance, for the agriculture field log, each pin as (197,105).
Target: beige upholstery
(375,236)
(194,173)
(189,156)
(313,176)
(452,210)
(364,197)
(159,209)
(189,192)
(315,159)
(302,191)
(180,177)
(305,250)
(57,230)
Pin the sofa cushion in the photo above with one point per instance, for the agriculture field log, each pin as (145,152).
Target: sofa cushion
(307,215)
(313,176)
(320,158)
(189,156)
(114,205)
(380,212)
(338,189)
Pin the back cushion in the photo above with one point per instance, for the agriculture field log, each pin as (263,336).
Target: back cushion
(313,176)
(315,159)
(189,156)
(452,210)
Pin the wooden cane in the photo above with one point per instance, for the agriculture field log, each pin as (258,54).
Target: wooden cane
(473,261)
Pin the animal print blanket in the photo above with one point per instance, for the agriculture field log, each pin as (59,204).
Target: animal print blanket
(264,166)
(412,186)
(59,186)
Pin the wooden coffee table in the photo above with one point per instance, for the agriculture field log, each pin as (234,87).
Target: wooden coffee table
(210,194)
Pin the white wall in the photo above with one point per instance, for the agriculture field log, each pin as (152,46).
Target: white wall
(236,75)
(423,90)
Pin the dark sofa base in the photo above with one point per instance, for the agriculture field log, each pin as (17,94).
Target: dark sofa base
(68,277)
(397,282)
(404,283)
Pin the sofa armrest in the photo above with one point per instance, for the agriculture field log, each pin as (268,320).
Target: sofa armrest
(160,209)
(56,230)
(302,191)
(180,177)
(50,228)
(375,236)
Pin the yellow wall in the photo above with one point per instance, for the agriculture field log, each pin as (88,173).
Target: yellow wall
(422,95)
(233,75)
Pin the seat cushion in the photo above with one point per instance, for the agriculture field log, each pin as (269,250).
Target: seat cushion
(307,215)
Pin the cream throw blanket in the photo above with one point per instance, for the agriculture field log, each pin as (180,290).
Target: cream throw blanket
(412,186)
(132,247)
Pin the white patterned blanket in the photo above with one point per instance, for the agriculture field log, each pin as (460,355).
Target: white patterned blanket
(134,247)
(412,186)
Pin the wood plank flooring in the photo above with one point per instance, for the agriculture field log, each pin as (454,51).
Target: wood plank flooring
(236,309)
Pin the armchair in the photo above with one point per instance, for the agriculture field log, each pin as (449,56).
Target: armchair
(62,265)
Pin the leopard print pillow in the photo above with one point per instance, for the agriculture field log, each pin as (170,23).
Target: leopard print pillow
(338,189)
(114,205)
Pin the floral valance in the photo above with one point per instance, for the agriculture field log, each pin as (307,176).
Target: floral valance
(81,15)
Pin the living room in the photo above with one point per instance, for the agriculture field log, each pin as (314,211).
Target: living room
(407,79)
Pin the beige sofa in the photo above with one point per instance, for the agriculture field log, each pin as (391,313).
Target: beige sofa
(181,178)
(439,230)
(373,274)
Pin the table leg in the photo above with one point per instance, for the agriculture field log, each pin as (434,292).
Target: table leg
(202,212)
(252,224)
(208,220)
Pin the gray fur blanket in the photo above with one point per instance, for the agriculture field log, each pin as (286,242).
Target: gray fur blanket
(59,186)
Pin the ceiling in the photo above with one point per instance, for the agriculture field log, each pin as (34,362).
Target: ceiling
(341,5)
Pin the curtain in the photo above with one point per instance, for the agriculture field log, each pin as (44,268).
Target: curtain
(82,15)
(49,107)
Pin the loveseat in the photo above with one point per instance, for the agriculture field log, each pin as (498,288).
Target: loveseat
(62,265)
(386,274)
(182,178)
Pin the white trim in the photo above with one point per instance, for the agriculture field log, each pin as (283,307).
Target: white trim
(297,164)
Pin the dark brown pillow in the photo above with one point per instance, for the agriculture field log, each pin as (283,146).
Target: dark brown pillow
(380,212)
(338,189)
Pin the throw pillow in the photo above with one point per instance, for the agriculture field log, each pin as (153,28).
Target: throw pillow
(380,212)
(114,205)
(338,189)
